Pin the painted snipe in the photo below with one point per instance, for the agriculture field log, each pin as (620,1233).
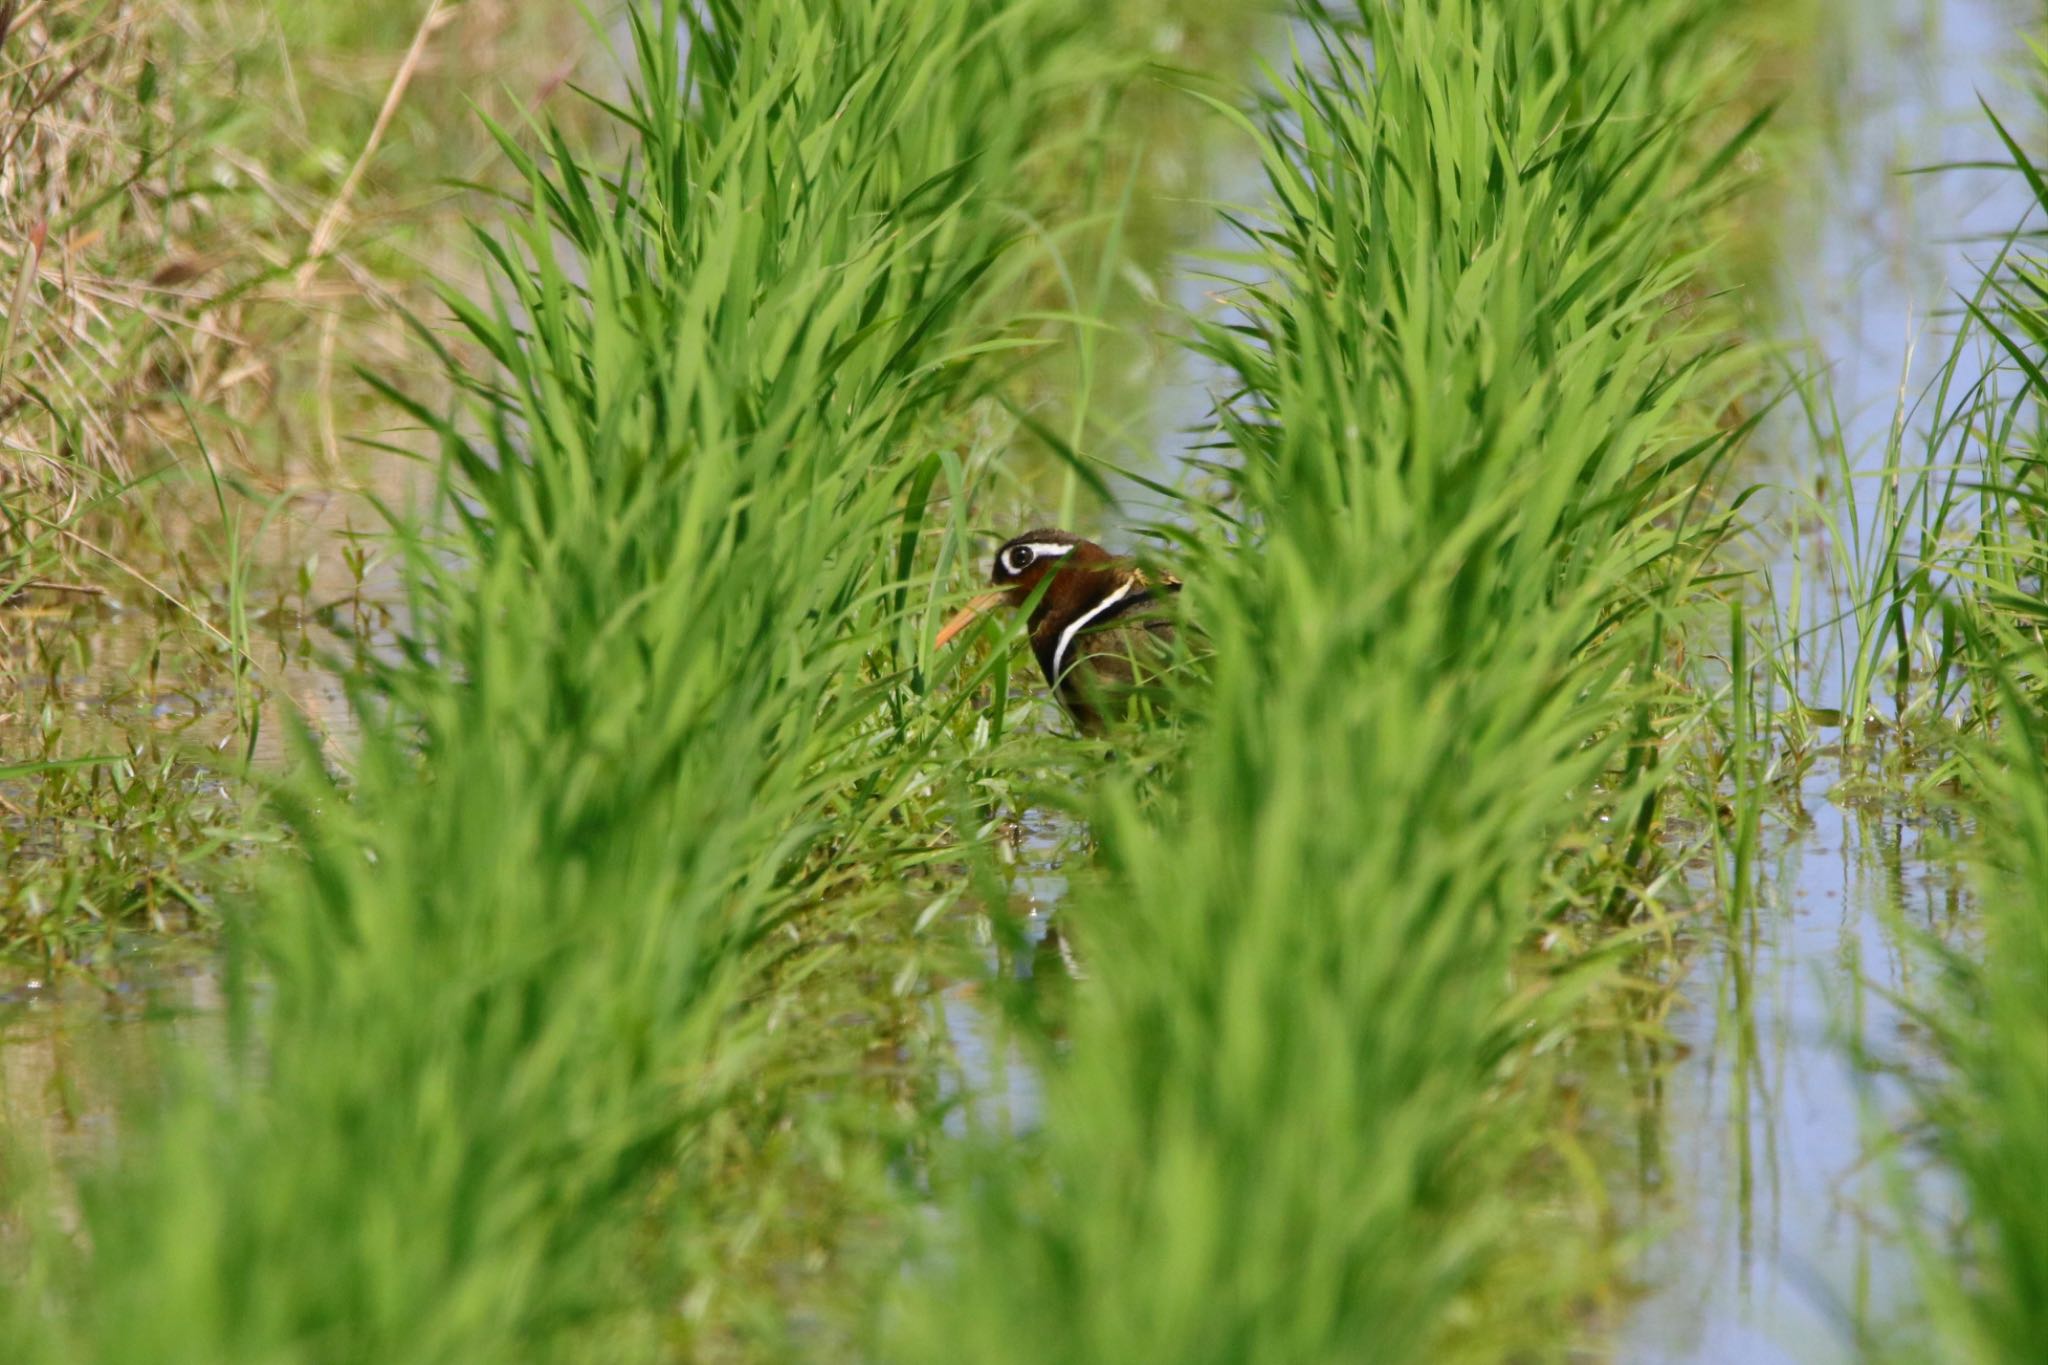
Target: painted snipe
(1100,629)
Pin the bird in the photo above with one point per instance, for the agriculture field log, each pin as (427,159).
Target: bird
(1101,628)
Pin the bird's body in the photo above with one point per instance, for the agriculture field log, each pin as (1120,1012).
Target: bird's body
(1100,628)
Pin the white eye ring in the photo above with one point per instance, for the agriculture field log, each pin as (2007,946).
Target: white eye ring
(1018,558)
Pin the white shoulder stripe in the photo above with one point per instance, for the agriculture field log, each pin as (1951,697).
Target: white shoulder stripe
(1059,653)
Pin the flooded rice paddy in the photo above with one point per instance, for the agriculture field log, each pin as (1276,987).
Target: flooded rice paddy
(1760,1126)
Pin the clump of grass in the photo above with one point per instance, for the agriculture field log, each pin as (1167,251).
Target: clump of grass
(1295,1116)
(662,705)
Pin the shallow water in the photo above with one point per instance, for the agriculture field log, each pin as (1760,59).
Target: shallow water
(998,1089)
(1780,1245)
(152,686)
(1777,1242)
(73,1051)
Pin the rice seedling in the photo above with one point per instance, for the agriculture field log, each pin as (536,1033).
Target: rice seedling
(1295,1114)
(1891,536)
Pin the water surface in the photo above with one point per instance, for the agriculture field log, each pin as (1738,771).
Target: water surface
(1779,1243)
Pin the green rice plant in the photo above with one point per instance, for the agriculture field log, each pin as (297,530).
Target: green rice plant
(659,732)
(2008,564)
(1892,554)
(1298,1113)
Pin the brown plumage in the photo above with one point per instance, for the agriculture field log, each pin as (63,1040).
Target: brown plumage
(1100,628)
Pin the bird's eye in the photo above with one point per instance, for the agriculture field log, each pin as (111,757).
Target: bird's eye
(1019,559)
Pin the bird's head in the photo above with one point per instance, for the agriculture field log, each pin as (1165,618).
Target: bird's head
(1022,564)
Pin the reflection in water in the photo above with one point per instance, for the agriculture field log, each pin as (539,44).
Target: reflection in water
(1783,1247)
(72,1054)
(1003,1088)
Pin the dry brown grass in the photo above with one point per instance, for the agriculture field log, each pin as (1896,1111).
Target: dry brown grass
(209,220)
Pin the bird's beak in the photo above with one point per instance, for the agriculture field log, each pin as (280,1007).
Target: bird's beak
(969,614)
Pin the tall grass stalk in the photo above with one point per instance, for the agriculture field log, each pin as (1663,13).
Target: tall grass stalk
(661,700)
(1296,1117)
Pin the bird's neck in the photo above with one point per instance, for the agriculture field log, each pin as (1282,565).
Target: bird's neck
(1077,591)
